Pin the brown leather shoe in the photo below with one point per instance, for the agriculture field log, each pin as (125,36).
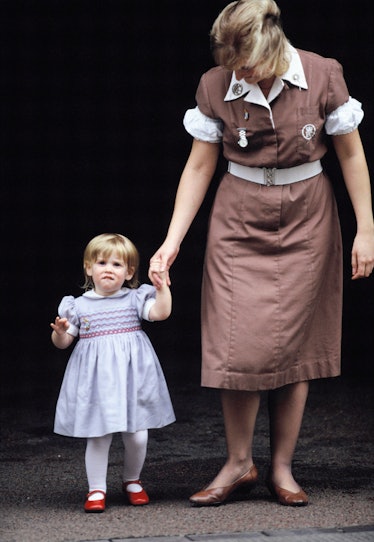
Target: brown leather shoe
(287,498)
(217,495)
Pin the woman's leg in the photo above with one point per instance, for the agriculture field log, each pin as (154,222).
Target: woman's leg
(97,452)
(286,409)
(240,410)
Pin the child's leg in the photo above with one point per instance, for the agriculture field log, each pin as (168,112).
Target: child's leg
(97,452)
(134,454)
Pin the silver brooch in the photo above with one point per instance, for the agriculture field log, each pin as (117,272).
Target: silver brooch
(242,141)
(237,89)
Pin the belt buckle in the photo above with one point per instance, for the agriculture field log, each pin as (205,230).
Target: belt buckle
(269,175)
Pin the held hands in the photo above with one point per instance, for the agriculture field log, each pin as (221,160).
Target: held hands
(362,255)
(158,274)
(160,264)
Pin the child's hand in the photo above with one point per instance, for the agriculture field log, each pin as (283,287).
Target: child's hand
(155,268)
(60,337)
(60,325)
(161,309)
(165,255)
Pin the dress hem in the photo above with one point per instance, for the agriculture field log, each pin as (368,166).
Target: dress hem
(255,382)
(116,430)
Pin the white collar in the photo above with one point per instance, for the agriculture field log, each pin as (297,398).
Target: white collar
(295,73)
(93,295)
(252,93)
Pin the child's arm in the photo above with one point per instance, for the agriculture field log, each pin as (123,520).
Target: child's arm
(161,309)
(59,337)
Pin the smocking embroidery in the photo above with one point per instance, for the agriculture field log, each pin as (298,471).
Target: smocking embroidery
(109,323)
(110,332)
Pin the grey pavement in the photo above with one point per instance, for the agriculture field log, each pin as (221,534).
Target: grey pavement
(349,534)
(43,481)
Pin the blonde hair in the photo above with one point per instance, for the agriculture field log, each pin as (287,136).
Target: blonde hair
(250,31)
(104,245)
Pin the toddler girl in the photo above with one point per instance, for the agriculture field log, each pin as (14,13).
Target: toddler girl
(113,381)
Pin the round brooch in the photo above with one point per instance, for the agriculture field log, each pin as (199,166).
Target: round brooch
(308,131)
(237,89)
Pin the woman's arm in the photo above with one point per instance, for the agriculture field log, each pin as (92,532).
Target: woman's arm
(193,186)
(352,161)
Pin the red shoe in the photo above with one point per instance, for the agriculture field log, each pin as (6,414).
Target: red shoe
(136,498)
(96,506)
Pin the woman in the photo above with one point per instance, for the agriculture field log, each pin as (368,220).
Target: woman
(272,283)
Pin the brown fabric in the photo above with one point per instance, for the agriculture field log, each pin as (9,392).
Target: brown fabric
(283,146)
(272,287)
(272,283)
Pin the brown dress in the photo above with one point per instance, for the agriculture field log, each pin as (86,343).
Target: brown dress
(272,283)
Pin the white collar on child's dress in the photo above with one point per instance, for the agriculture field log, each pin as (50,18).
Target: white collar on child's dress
(92,294)
(252,93)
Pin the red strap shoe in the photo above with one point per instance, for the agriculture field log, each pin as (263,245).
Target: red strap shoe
(95,506)
(135,498)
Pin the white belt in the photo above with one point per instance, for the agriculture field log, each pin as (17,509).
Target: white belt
(270,176)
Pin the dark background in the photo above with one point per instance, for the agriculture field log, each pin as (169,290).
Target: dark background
(92,100)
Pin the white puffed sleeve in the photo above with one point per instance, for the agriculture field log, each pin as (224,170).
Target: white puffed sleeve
(67,309)
(345,118)
(202,127)
(145,298)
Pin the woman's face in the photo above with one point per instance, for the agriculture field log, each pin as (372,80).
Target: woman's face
(247,73)
(250,74)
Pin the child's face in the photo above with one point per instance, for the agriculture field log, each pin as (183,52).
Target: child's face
(109,273)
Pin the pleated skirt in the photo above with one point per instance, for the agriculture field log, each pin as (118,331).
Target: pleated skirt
(272,285)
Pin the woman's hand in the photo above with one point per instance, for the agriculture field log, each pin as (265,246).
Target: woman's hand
(352,160)
(159,271)
(160,264)
(363,255)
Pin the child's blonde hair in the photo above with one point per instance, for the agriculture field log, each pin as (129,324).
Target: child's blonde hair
(250,31)
(105,244)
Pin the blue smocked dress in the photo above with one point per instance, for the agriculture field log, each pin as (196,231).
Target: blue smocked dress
(113,381)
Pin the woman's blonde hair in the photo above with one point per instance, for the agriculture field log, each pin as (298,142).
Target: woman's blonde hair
(250,32)
(104,245)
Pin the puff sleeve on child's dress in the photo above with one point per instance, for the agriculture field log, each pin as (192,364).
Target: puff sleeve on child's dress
(67,309)
(145,297)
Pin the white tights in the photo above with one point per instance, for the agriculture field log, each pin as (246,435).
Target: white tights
(97,454)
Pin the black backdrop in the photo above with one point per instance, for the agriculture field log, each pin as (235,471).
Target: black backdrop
(93,96)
